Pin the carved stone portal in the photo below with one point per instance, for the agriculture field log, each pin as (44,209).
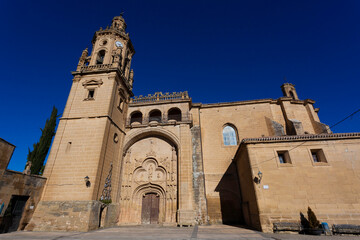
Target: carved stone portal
(149,167)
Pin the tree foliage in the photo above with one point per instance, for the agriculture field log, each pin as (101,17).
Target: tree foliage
(313,222)
(40,149)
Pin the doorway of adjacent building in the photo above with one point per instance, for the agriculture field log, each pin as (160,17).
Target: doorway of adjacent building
(150,209)
(13,213)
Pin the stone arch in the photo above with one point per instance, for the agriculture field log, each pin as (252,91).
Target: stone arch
(143,133)
(149,187)
(140,192)
(155,115)
(174,114)
(136,117)
(150,166)
(100,55)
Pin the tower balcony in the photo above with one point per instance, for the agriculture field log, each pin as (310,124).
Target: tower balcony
(104,68)
(147,121)
(96,67)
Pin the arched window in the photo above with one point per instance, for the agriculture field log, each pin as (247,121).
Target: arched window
(292,95)
(229,136)
(174,114)
(100,57)
(155,115)
(136,117)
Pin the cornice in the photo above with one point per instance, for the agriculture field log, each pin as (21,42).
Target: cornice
(109,69)
(23,174)
(159,103)
(256,101)
(306,137)
(295,138)
(225,104)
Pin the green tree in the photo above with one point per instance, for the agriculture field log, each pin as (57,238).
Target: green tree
(38,154)
(313,222)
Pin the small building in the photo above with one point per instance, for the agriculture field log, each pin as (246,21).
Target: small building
(281,176)
(19,193)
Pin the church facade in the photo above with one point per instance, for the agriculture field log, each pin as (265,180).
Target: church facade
(118,159)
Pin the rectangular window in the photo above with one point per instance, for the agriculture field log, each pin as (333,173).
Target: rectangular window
(318,156)
(315,157)
(91,94)
(284,157)
(281,157)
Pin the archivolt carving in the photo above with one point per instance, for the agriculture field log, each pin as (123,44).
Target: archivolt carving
(92,82)
(147,188)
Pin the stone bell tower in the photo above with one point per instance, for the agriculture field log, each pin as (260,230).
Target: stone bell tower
(83,167)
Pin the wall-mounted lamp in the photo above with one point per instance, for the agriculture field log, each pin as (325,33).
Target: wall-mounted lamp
(258,178)
(87,181)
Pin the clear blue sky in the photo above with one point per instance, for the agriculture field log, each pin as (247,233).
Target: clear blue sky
(217,50)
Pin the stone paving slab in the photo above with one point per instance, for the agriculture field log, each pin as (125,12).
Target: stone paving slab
(171,233)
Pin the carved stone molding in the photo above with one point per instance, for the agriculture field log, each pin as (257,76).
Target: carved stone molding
(149,172)
(302,137)
(92,82)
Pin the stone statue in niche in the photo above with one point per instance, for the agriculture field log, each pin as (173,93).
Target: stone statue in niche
(150,171)
(117,56)
(128,156)
(83,58)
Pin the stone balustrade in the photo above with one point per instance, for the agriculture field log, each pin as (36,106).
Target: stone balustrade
(159,96)
(96,67)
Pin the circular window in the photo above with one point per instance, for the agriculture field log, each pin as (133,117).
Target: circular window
(116,138)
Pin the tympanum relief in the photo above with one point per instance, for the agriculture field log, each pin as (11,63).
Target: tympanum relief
(150,172)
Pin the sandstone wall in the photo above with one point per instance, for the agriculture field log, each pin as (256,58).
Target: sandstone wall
(331,188)
(16,183)
(251,119)
(66,216)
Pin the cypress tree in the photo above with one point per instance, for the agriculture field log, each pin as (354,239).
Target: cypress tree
(38,154)
(313,222)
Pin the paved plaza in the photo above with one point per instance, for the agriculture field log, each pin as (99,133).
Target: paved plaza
(158,232)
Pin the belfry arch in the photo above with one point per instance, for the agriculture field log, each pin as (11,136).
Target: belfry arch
(149,178)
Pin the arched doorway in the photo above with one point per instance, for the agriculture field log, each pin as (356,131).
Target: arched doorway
(148,193)
(150,208)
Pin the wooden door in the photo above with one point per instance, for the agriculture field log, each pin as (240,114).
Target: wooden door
(14,213)
(150,209)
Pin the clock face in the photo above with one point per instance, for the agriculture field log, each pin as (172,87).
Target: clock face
(119,44)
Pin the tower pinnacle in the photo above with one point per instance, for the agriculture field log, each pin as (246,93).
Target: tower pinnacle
(118,22)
